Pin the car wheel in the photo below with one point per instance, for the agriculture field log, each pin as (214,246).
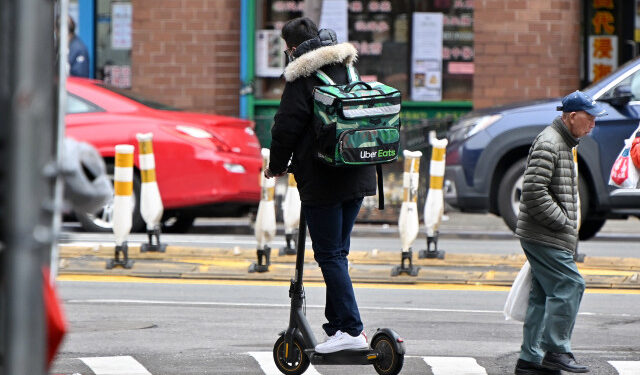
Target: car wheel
(509,193)
(590,225)
(102,220)
(177,223)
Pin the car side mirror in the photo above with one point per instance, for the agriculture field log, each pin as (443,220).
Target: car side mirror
(622,95)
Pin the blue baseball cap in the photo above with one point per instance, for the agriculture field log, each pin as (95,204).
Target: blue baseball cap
(579,101)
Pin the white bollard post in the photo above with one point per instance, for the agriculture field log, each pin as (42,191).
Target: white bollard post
(151,207)
(265,227)
(434,206)
(408,222)
(291,215)
(122,205)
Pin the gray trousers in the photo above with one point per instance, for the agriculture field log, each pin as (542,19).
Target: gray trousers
(556,292)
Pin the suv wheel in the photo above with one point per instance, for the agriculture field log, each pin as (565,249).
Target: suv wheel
(509,193)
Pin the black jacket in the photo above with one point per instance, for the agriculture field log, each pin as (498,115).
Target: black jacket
(292,135)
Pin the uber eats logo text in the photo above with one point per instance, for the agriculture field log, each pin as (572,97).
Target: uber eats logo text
(364,154)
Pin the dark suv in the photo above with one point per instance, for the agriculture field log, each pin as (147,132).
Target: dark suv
(488,150)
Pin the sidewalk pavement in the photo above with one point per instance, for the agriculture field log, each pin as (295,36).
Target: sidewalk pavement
(366,266)
(454,225)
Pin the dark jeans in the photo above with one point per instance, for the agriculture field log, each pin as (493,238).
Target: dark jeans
(330,230)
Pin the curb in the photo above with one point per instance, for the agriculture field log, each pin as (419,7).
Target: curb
(365,266)
(380,230)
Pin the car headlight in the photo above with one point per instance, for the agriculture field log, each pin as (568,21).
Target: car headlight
(482,123)
(234,168)
(469,126)
(194,132)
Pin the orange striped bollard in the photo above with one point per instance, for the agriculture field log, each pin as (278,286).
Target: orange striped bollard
(408,221)
(151,208)
(265,226)
(434,206)
(122,205)
(291,216)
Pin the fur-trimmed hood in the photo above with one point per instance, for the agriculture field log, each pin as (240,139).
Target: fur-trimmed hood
(308,63)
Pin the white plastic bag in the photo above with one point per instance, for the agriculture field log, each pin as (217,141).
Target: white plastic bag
(518,299)
(623,172)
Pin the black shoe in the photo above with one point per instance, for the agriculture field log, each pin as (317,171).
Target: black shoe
(563,361)
(530,368)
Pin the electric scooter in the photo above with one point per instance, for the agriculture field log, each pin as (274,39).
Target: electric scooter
(295,348)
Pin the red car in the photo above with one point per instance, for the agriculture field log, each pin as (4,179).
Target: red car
(206,165)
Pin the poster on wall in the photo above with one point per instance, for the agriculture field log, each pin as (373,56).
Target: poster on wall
(334,16)
(426,64)
(117,76)
(121,25)
(269,53)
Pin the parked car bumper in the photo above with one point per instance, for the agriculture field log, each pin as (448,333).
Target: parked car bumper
(459,194)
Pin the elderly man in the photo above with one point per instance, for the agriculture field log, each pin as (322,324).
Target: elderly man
(547,228)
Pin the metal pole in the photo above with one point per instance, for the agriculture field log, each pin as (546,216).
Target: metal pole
(27,123)
(63,48)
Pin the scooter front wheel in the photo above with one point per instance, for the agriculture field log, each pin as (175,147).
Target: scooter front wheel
(391,361)
(300,360)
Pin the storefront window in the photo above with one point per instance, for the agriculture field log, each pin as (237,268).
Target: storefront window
(113,42)
(381,32)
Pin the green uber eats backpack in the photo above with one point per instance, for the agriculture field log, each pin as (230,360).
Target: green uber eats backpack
(356,124)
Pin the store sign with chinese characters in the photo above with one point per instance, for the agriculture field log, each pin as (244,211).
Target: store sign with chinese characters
(603,43)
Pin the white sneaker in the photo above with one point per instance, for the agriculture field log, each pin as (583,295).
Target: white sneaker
(342,341)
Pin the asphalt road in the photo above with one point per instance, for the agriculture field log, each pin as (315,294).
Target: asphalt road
(216,327)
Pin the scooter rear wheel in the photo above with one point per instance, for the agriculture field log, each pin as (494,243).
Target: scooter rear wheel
(391,361)
(300,363)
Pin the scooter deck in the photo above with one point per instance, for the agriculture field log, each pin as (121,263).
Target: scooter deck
(344,357)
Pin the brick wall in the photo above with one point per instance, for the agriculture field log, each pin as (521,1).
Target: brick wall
(525,50)
(187,53)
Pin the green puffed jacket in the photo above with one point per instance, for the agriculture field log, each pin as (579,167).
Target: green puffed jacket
(549,203)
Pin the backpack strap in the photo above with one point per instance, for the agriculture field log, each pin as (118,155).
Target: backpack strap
(380,187)
(324,77)
(352,74)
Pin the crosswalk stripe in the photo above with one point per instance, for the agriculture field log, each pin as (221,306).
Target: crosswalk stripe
(626,367)
(265,360)
(122,365)
(454,366)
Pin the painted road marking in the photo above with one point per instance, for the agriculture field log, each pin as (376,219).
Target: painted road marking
(287,306)
(122,365)
(313,284)
(454,366)
(626,367)
(265,360)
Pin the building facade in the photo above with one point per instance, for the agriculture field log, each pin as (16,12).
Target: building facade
(210,56)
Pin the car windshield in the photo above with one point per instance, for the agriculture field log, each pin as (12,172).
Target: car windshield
(139,99)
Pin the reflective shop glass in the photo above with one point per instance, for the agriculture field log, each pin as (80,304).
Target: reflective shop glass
(381,32)
(113,42)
